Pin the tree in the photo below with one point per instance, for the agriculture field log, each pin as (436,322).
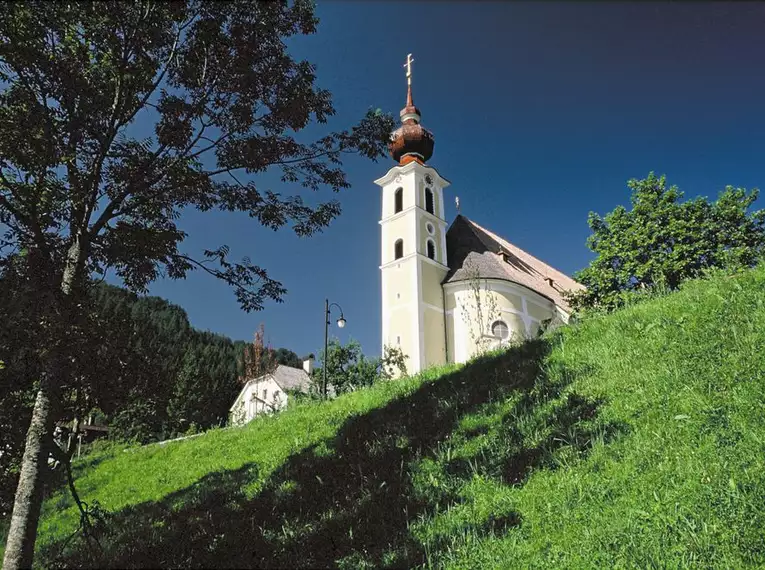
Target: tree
(156,374)
(662,241)
(204,385)
(287,358)
(257,359)
(393,362)
(17,334)
(348,369)
(151,373)
(85,189)
(479,311)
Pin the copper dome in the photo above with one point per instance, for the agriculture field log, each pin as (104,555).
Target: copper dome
(411,139)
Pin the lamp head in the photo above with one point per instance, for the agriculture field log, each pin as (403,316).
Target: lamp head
(341,322)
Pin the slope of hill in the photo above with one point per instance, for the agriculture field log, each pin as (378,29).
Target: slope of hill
(150,374)
(631,440)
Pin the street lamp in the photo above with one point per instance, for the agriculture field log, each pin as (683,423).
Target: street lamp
(341,324)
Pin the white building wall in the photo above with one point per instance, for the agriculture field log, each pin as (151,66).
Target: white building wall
(523,320)
(261,397)
(403,313)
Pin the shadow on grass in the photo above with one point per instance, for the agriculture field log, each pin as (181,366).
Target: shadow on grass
(568,425)
(348,502)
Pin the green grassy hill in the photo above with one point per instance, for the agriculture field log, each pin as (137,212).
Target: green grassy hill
(631,440)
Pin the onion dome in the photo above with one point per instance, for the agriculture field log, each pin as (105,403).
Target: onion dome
(411,141)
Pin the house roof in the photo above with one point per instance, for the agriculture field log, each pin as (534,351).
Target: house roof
(468,244)
(286,377)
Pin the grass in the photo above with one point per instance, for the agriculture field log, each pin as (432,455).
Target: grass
(631,440)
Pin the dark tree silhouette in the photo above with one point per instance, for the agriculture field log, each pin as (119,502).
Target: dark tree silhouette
(80,193)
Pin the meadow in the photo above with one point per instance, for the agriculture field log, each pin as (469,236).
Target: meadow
(634,439)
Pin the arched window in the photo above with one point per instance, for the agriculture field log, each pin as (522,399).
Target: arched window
(398,249)
(398,199)
(431,249)
(429,200)
(499,329)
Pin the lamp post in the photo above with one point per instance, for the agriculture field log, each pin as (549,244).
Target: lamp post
(341,324)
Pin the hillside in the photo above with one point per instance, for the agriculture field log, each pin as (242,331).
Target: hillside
(631,440)
(151,375)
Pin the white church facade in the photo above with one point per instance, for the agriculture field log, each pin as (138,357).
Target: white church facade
(450,291)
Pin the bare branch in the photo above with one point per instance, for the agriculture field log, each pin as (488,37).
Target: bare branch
(213,272)
(282,162)
(211,146)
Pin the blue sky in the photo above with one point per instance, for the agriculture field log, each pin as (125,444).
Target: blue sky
(541,112)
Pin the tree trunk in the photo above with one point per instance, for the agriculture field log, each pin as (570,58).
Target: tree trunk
(22,534)
(19,548)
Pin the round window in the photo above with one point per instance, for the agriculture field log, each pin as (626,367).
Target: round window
(500,330)
(430,228)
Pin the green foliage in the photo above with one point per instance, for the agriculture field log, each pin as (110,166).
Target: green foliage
(163,375)
(152,374)
(20,316)
(218,84)
(286,357)
(349,369)
(662,241)
(219,99)
(628,440)
(393,362)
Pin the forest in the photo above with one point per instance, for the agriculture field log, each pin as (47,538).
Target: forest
(153,375)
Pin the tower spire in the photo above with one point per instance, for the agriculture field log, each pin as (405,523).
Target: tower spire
(410,141)
(408,65)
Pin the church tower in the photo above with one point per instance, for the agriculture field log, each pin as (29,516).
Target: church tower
(413,257)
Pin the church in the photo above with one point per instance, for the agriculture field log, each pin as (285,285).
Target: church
(448,293)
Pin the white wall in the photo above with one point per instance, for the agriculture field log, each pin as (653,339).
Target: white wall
(403,311)
(520,308)
(252,403)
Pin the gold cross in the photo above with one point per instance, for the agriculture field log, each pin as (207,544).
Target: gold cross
(408,66)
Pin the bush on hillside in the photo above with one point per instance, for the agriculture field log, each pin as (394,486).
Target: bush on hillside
(662,242)
(348,369)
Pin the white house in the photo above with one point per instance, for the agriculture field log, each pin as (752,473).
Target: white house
(268,393)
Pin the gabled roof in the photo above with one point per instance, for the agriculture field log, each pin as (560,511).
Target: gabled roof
(286,377)
(468,244)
